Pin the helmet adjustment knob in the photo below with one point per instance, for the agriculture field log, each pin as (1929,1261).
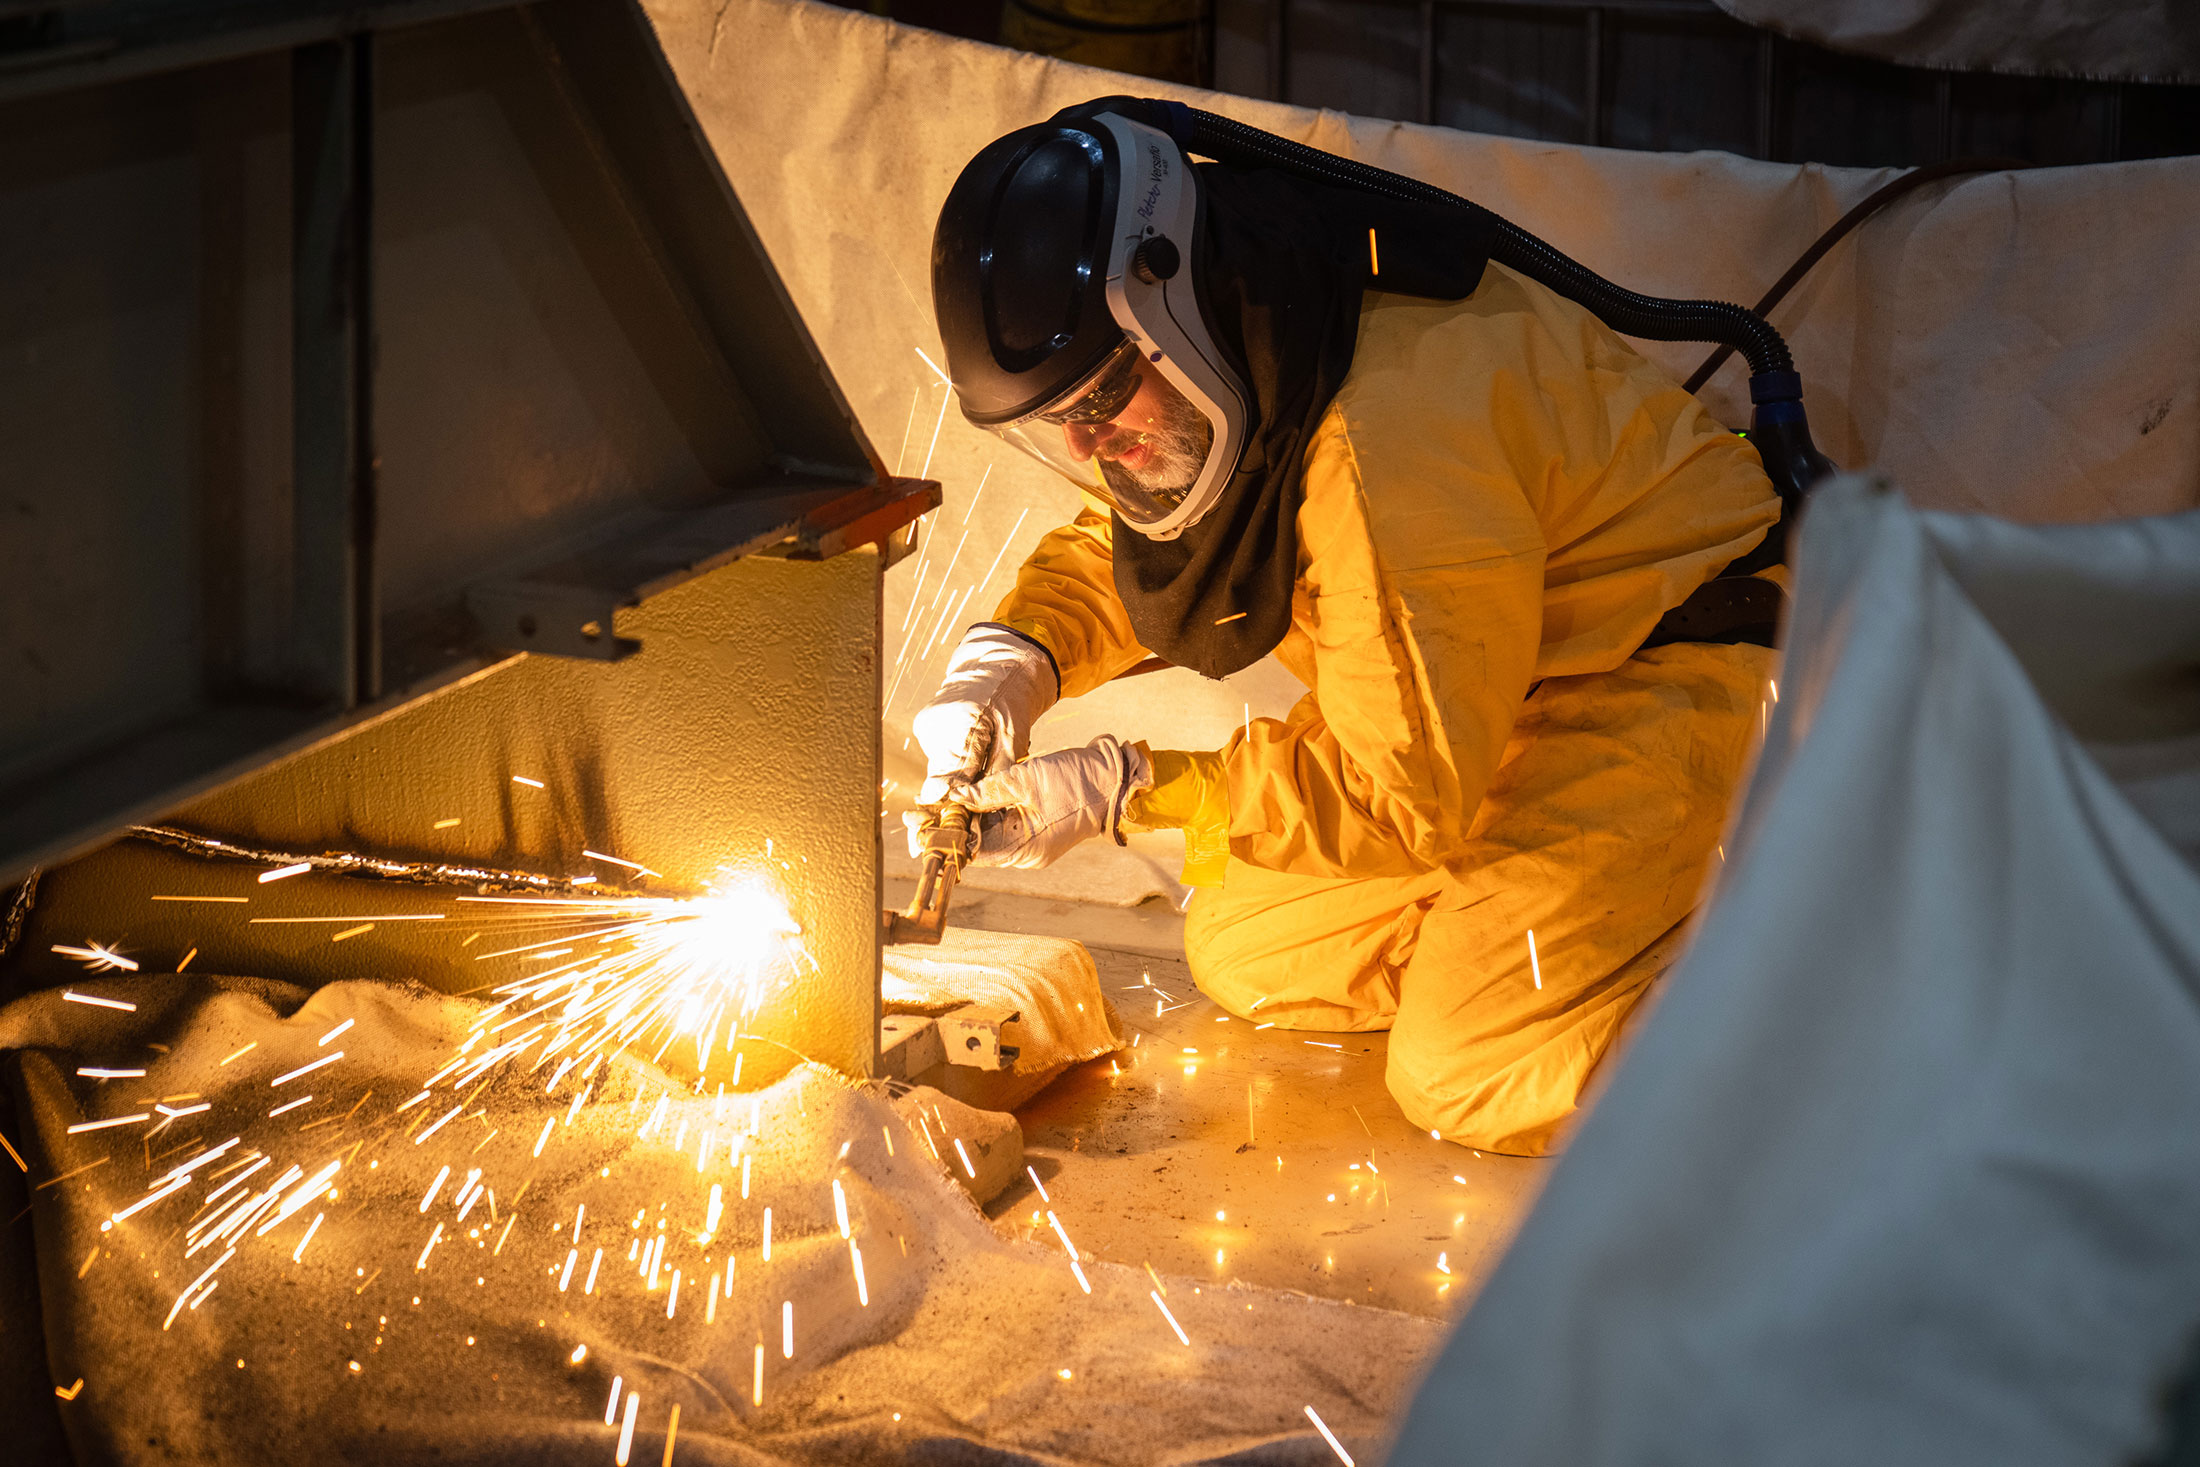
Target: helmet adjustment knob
(1156,260)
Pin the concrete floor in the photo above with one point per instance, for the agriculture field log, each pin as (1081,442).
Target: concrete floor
(1217,1151)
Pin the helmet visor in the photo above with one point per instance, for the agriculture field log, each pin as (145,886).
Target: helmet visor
(1125,433)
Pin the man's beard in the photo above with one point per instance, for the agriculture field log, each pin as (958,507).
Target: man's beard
(1179,446)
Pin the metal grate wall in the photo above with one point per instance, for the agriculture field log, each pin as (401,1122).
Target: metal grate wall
(1672,75)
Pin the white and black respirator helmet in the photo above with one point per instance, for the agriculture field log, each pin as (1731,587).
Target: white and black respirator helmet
(1061,273)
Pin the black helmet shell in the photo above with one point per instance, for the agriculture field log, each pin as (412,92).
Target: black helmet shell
(1020,269)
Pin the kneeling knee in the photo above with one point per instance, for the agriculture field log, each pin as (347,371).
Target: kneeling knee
(1515,1111)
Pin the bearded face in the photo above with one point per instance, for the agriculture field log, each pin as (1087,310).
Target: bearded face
(1149,453)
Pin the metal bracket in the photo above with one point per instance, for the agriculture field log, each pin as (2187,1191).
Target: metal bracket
(560,621)
(971,1036)
(912,1045)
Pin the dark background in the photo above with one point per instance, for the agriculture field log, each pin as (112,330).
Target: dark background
(1666,75)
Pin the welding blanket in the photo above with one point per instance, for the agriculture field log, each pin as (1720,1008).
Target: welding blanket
(1996,343)
(1905,1167)
(335,1269)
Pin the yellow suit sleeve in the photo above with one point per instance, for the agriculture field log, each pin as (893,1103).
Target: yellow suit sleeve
(1502,491)
(1190,793)
(1064,599)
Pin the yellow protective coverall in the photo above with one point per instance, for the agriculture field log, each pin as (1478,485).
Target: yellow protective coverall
(1500,503)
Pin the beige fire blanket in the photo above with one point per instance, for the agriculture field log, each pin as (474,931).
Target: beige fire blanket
(265,1245)
(2115,40)
(2019,343)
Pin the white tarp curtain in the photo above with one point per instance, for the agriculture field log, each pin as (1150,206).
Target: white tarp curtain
(2112,40)
(2008,343)
(1905,1167)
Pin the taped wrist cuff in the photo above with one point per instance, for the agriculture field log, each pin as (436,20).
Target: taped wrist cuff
(1190,793)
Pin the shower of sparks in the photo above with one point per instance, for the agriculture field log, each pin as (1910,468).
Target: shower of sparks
(609,977)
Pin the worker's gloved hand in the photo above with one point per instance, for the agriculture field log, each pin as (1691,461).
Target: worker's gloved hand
(979,722)
(1032,812)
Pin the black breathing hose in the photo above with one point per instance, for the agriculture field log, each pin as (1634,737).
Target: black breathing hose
(1649,317)
(1872,203)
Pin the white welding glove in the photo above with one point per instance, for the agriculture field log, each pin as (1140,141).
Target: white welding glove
(1032,812)
(998,683)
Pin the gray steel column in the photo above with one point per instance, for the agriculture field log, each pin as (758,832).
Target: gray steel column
(334,619)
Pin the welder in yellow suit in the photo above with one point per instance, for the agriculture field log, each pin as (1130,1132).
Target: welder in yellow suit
(1501,501)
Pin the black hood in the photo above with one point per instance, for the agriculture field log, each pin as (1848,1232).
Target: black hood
(1282,265)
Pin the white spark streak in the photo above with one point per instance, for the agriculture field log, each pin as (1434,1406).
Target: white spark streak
(340,1028)
(626,1432)
(111,1074)
(1534,963)
(280,872)
(377,917)
(311,1228)
(1329,1437)
(306,1192)
(614,860)
(291,1105)
(433,1188)
(840,1206)
(1070,1248)
(177,1307)
(786,1329)
(326,1059)
(433,1239)
(448,1116)
(106,1003)
(145,1115)
(1165,1314)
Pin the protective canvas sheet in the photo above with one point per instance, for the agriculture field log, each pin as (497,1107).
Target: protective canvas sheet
(2115,40)
(515,1278)
(2002,343)
(1905,1167)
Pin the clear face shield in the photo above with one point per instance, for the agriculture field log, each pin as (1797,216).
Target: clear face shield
(1125,433)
